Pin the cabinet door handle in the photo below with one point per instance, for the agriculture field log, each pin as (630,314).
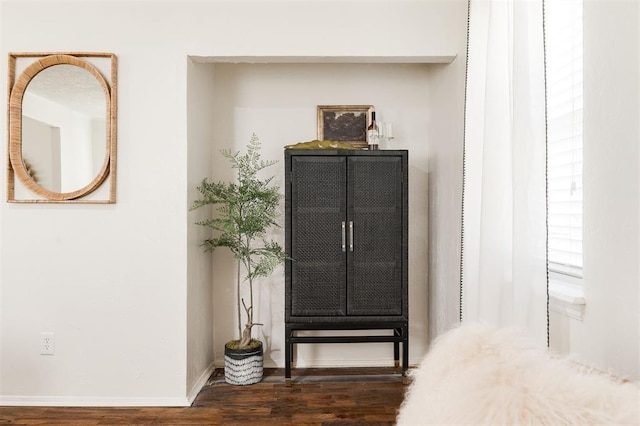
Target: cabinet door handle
(350,235)
(344,237)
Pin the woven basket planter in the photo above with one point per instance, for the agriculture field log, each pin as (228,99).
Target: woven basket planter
(243,366)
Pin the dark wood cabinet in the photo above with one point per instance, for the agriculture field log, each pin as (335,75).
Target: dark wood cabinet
(346,234)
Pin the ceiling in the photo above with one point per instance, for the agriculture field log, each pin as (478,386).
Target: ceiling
(71,86)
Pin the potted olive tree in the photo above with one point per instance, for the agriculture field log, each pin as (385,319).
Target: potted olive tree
(245,211)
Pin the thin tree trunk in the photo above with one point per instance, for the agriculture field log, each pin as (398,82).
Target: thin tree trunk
(250,310)
(238,301)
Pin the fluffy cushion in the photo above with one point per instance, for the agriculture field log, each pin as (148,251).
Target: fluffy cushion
(478,375)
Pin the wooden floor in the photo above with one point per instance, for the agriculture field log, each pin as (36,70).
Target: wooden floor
(317,397)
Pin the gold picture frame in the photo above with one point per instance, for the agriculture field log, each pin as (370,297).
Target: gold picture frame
(344,123)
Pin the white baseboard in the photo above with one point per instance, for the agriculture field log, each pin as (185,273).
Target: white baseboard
(343,363)
(71,401)
(198,385)
(332,363)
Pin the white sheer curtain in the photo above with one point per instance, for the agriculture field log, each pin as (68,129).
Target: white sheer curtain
(504,278)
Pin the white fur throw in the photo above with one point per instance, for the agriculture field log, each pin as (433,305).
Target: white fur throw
(477,375)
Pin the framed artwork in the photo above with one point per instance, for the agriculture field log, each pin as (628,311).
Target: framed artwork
(344,123)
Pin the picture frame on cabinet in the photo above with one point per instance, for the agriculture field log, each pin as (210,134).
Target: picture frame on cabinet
(344,123)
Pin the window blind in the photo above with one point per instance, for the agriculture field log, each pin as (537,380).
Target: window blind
(563,51)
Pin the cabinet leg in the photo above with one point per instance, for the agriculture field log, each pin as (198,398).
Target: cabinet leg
(396,348)
(405,351)
(287,356)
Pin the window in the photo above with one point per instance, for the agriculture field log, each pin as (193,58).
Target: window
(563,55)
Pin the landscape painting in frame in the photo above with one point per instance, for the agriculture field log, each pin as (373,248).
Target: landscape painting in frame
(344,123)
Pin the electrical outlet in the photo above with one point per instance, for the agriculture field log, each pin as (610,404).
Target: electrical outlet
(47,343)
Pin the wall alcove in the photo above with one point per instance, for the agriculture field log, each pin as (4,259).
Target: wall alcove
(229,98)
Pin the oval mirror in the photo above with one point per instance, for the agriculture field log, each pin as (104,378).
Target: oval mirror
(61,128)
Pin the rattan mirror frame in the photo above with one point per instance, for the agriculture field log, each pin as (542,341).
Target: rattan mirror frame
(16,164)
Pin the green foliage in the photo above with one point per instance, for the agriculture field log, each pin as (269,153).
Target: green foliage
(245,211)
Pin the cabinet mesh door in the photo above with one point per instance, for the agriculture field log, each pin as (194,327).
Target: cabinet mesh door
(375,264)
(318,268)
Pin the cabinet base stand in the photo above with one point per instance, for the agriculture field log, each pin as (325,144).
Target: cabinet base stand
(400,336)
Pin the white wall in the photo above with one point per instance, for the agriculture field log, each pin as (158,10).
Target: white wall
(200,136)
(609,335)
(444,165)
(123,286)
